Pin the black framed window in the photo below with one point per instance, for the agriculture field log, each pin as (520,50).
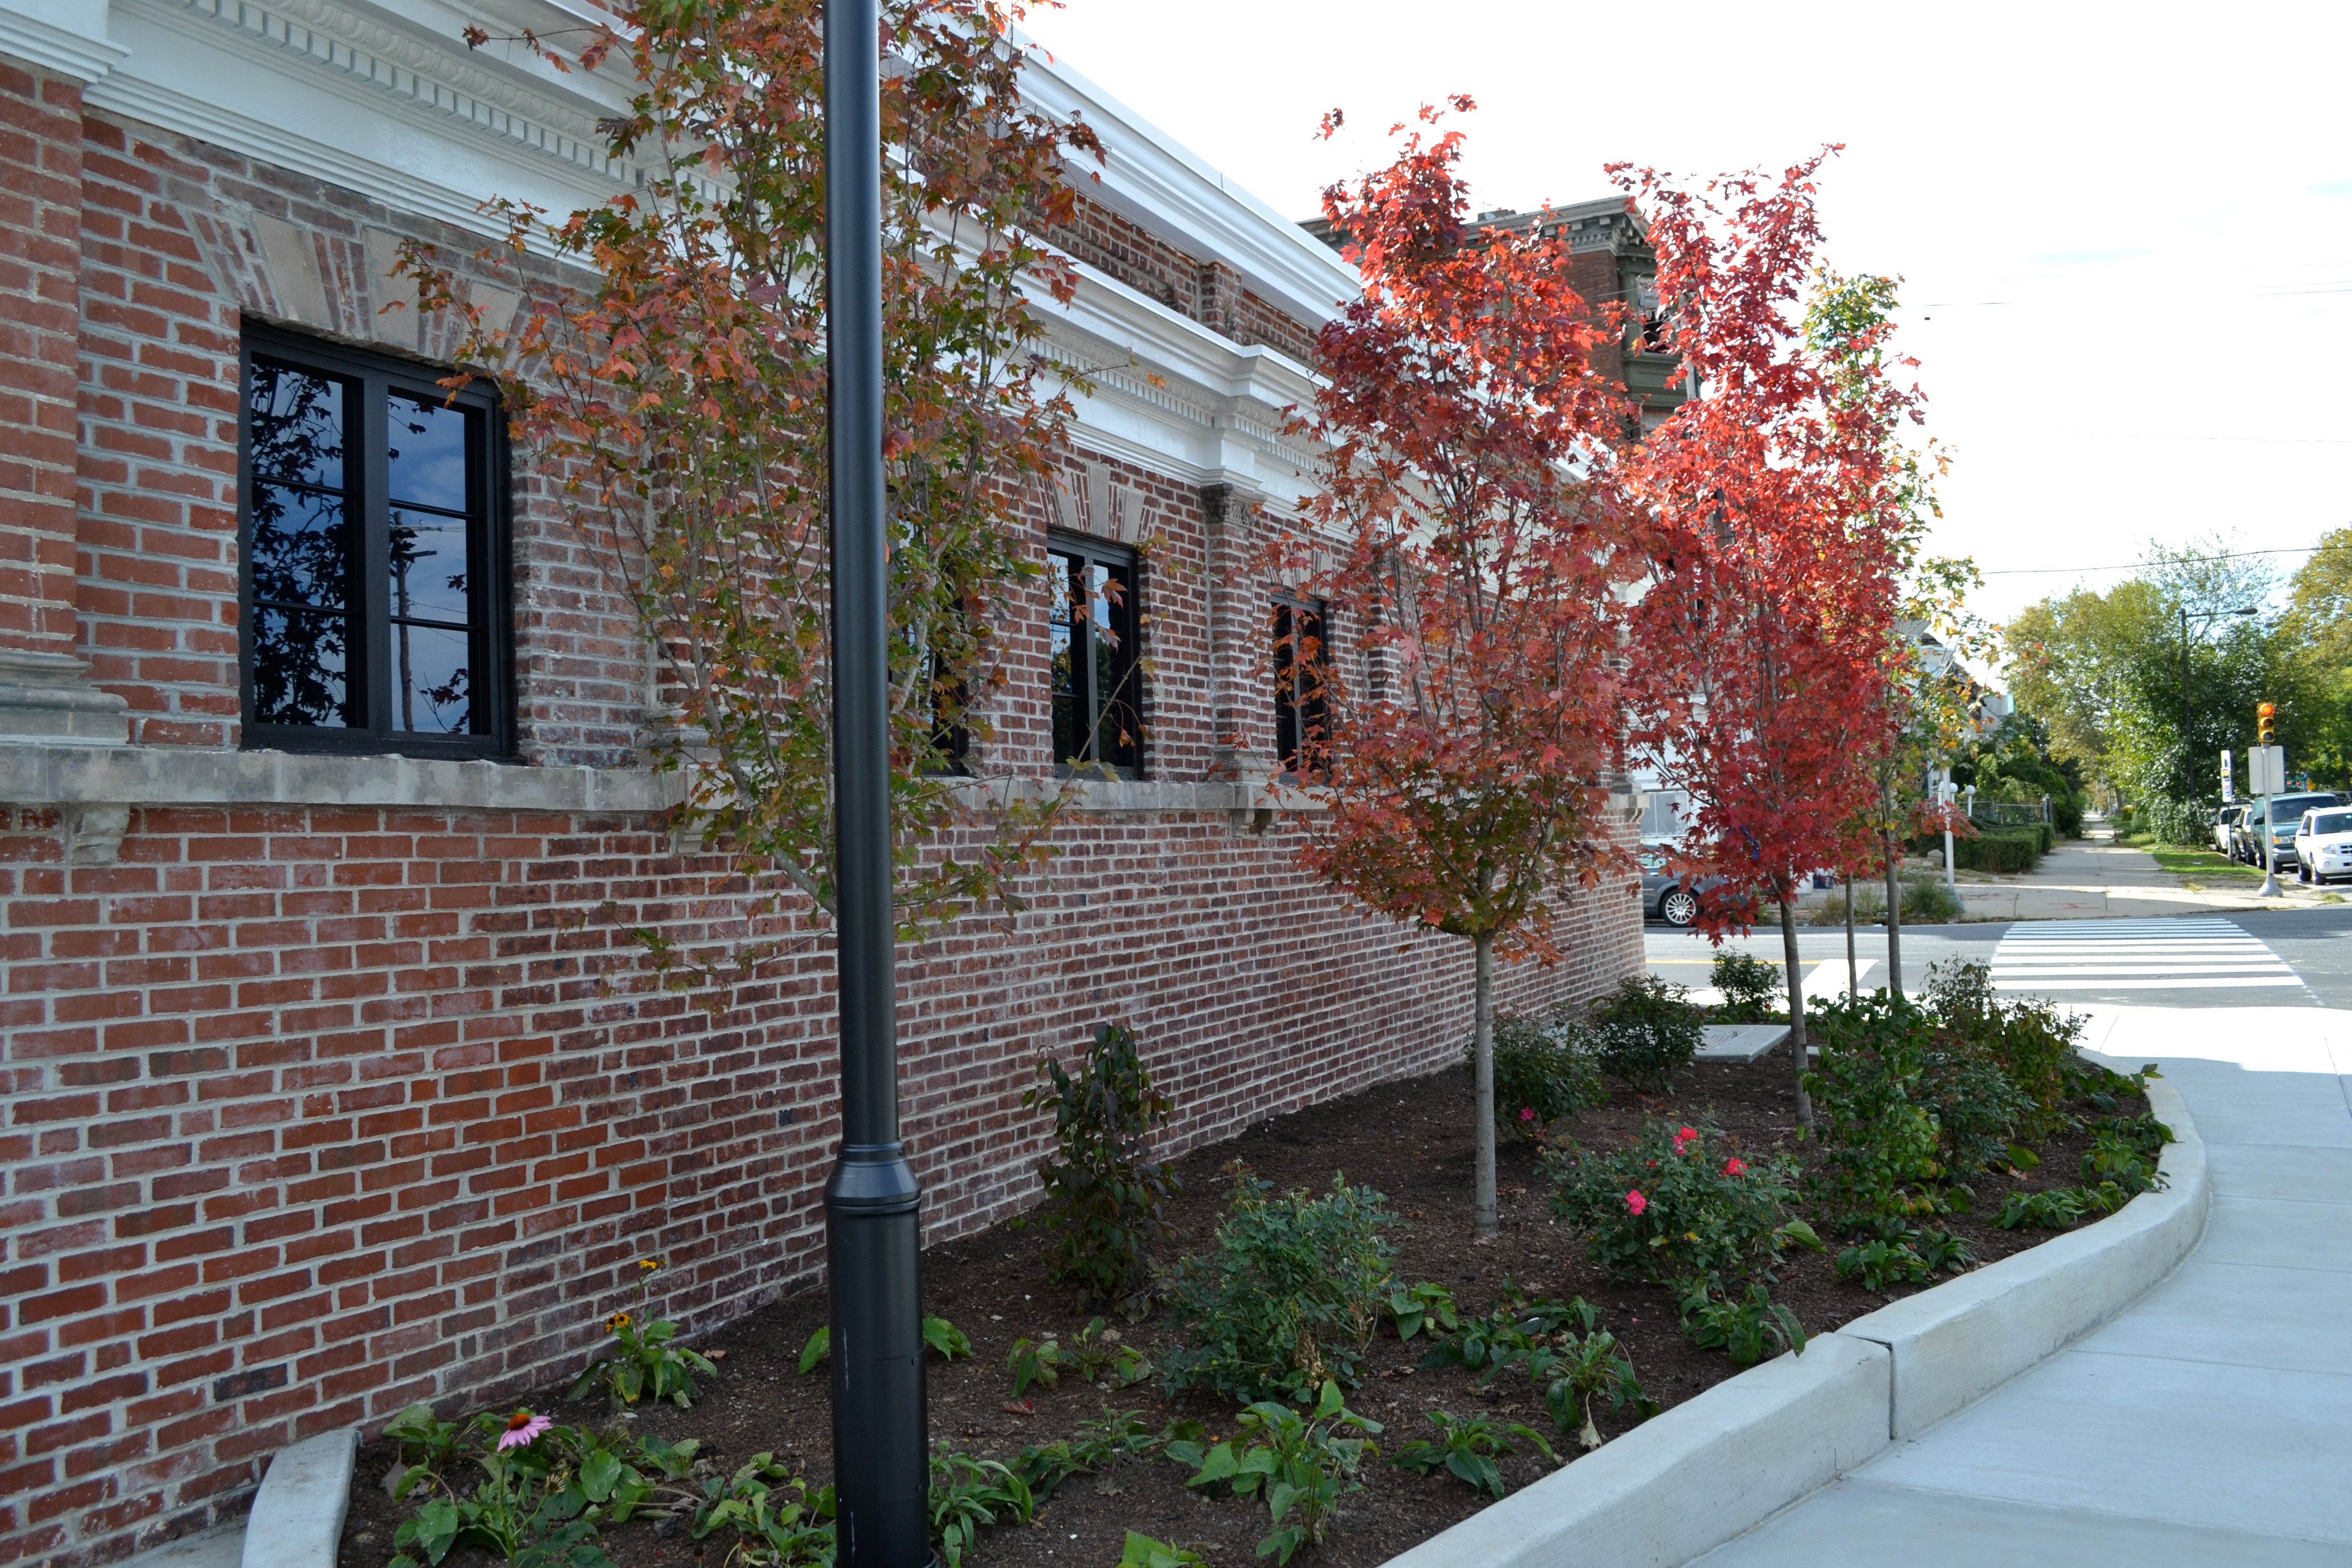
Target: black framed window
(373,533)
(1301,676)
(1097,710)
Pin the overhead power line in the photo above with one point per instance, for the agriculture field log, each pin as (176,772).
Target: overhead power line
(2135,565)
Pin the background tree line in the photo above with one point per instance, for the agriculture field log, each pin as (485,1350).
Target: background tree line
(2144,711)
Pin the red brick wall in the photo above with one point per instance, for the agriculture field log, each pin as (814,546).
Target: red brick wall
(1209,291)
(40,174)
(318,1112)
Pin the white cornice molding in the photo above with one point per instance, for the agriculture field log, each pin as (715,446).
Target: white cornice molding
(65,37)
(404,114)
(1153,180)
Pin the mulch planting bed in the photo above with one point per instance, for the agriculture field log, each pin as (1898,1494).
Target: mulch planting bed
(1411,1141)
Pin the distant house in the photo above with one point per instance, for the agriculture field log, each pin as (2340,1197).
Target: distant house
(332,1084)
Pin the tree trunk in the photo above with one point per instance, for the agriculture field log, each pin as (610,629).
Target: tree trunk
(1893,918)
(1482,1203)
(1796,1007)
(1853,971)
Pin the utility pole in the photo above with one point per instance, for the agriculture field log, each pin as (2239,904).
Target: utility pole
(881,1460)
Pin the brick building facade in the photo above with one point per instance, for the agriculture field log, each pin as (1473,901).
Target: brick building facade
(334,1082)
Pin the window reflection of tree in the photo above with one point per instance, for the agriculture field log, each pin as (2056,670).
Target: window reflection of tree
(301,575)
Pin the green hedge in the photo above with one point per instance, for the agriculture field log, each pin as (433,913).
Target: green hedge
(2007,849)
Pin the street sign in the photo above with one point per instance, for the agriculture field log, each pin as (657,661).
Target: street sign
(2229,781)
(2267,769)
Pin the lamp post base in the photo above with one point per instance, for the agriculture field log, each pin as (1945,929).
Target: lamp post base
(880,1429)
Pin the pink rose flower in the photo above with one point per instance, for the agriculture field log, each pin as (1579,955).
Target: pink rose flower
(1735,1166)
(1527,1113)
(1635,1203)
(1684,1138)
(522,1429)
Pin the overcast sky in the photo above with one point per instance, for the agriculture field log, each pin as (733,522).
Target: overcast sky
(2126,231)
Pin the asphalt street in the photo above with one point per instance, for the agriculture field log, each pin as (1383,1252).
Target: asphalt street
(2197,959)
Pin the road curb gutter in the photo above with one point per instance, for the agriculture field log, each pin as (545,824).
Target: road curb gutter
(1715,1467)
(298,1515)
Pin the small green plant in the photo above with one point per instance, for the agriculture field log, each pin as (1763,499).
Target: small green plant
(1287,1296)
(942,1336)
(1096,1445)
(1142,1551)
(1943,1252)
(1301,1464)
(1577,1369)
(1423,1307)
(644,1358)
(1751,989)
(2053,1210)
(1466,1447)
(1545,1071)
(2119,1158)
(1977,1109)
(1679,1205)
(1875,1265)
(1648,1032)
(968,1493)
(778,1521)
(1518,1329)
(2031,1040)
(535,1505)
(1106,1196)
(1097,1354)
(1747,1330)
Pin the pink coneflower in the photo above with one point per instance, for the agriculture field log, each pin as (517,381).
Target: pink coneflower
(1735,1166)
(522,1429)
(1635,1203)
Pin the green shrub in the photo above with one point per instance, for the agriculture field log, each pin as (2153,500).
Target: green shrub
(1753,991)
(1977,1110)
(1881,1152)
(1678,1206)
(1286,1297)
(1648,1031)
(2003,851)
(1928,901)
(2171,821)
(2031,1041)
(1105,1195)
(1545,1070)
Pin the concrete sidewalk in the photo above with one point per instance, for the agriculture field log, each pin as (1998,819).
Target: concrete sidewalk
(2210,1423)
(2100,879)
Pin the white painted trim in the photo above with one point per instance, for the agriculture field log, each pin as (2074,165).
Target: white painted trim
(64,38)
(1153,180)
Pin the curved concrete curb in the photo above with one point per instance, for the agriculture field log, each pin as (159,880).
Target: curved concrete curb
(1715,1467)
(298,1515)
(1958,1342)
(1687,1481)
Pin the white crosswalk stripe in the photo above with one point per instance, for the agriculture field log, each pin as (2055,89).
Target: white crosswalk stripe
(2136,956)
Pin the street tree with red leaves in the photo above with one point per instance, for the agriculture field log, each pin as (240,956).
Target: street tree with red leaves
(1795,505)
(1466,528)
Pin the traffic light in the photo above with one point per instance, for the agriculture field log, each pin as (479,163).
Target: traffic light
(2266,724)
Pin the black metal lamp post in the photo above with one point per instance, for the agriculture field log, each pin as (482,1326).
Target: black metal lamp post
(880,1452)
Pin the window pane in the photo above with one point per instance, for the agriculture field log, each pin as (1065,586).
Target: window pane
(1112,607)
(425,448)
(299,666)
(298,425)
(1061,585)
(301,548)
(428,568)
(1286,709)
(430,687)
